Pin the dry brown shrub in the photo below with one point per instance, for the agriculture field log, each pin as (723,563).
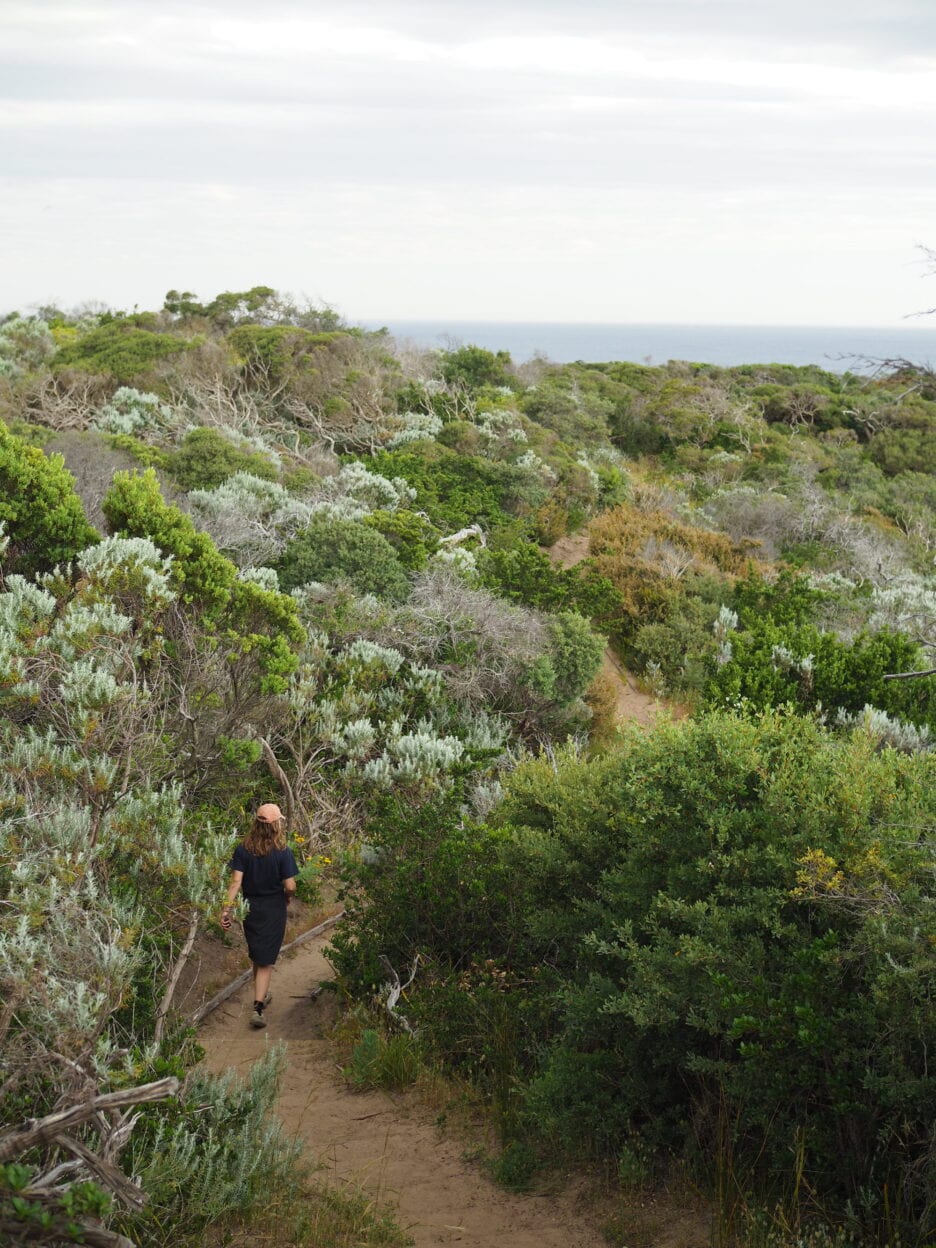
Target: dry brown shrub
(628,531)
(644,552)
(601,699)
(551,522)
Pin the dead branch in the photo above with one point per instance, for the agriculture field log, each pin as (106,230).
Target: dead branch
(473,530)
(930,671)
(35,1131)
(395,990)
(281,778)
(163,1010)
(106,1173)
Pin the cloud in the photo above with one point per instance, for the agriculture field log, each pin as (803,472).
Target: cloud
(413,116)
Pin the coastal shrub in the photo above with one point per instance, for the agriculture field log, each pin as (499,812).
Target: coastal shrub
(432,884)
(42,514)
(260,625)
(771,665)
(278,354)
(214,1154)
(457,490)
(574,414)
(411,535)
(472,367)
(331,550)
(206,458)
(134,413)
(135,507)
(522,572)
(694,934)
(904,450)
(123,348)
(26,343)
(575,653)
(649,557)
(250,518)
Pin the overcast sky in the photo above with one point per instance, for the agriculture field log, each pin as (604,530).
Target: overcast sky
(705,161)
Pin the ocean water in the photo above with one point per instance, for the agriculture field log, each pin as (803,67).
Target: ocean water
(847,348)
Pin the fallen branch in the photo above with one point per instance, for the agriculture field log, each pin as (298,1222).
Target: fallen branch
(106,1173)
(36,1131)
(930,671)
(473,530)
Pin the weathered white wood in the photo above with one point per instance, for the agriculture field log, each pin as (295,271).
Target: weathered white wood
(395,990)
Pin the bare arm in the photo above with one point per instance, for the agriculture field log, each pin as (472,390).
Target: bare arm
(233,890)
(289,888)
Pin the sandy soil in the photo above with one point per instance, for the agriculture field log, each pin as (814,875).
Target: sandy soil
(390,1145)
(569,551)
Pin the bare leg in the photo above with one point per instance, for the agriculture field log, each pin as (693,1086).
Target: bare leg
(261,981)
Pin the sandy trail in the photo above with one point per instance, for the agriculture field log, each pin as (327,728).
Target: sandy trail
(389,1145)
(630,701)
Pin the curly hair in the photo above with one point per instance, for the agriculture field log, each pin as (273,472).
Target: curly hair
(264,836)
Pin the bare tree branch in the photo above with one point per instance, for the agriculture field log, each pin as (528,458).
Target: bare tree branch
(36,1131)
(929,671)
(163,1011)
(281,778)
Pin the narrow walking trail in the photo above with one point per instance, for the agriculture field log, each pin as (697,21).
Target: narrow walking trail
(388,1144)
(631,704)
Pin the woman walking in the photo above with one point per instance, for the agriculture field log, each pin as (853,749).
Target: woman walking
(265,869)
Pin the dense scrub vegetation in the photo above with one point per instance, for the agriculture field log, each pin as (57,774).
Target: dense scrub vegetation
(249,549)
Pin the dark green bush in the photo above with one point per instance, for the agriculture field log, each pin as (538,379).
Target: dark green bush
(206,458)
(698,934)
(457,490)
(473,367)
(334,550)
(120,349)
(904,450)
(773,665)
(273,354)
(44,519)
(412,537)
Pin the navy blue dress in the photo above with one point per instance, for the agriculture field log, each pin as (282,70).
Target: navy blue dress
(262,887)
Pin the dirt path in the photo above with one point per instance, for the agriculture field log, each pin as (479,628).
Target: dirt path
(390,1145)
(631,703)
(387,1144)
